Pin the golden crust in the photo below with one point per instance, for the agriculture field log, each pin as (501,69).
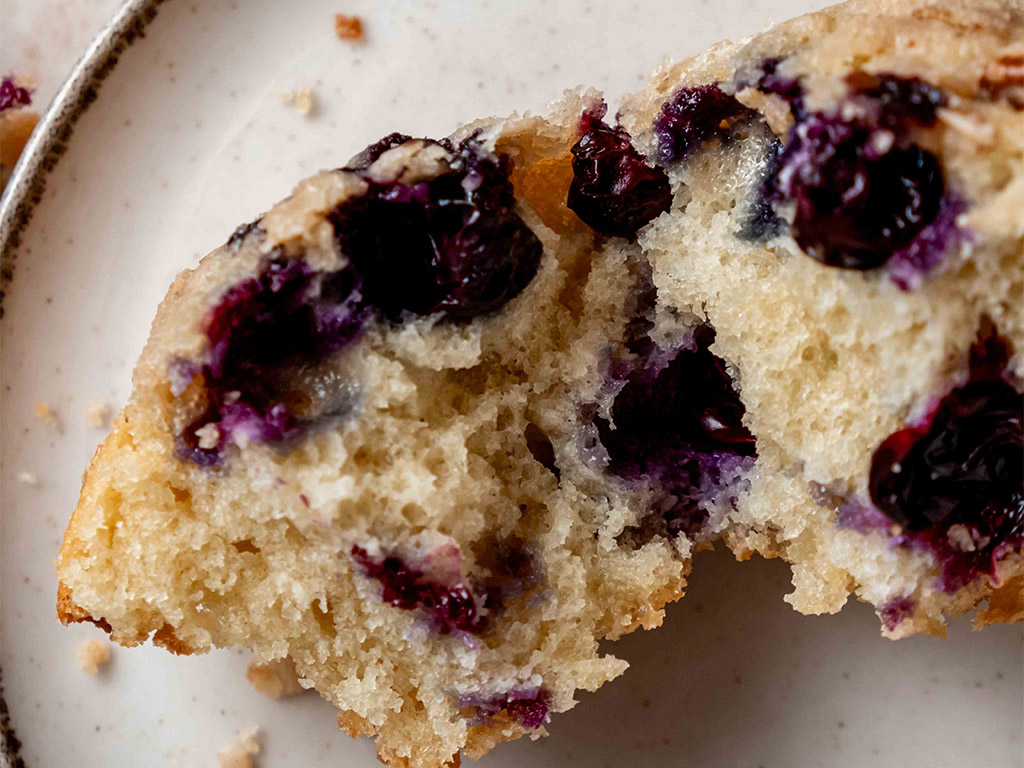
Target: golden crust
(70,613)
(1005,604)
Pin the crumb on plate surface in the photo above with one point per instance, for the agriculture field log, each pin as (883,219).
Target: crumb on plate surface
(275,679)
(97,413)
(93,655)
(240,753)
(348,27)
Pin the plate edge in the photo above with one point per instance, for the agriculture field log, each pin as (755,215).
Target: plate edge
(48,142)
(24,190)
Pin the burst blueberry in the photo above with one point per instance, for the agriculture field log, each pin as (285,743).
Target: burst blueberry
(962,465)
(13,95)
(862,190)
(261,328)
(677,424)
(614,189)
(452,245)
(693,116)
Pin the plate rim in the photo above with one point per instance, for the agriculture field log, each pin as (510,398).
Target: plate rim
(48,142)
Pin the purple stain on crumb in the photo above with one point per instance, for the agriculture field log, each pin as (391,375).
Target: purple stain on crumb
(909,266)
(450,607)
(527,707)
(13,95)
(863,518)
(693,116)
(954,480)
(894,611)
(677,426)
(787,88)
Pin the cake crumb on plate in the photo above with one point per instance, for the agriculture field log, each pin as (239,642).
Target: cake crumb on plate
(93,655)
(97,413)
(348,27)
(276,679)
(239,754)
(303,100)
(45,412)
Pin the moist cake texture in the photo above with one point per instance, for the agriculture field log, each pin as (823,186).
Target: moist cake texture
(445,419)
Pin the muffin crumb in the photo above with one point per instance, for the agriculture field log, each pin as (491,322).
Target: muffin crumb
(239,754)
(97,413)
(46,413)
(302,100)
(93,655)
(348,27)
(276,679)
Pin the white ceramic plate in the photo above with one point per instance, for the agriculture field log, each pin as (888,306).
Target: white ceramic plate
(187,138)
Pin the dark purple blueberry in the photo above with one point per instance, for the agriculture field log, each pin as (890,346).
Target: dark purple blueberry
(857,202)
(862,190)
(967,462)
(450,607)
(962,465)
(693,116)
(529,710)
(898,99)
(451,245)
(677,424)
(614,190)
(288,312)
(672,409)
(12,95)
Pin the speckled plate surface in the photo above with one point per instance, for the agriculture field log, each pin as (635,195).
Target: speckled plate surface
(186,137)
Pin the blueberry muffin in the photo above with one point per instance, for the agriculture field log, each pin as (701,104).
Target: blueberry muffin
(847,216)
(352,443)
(447,417)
